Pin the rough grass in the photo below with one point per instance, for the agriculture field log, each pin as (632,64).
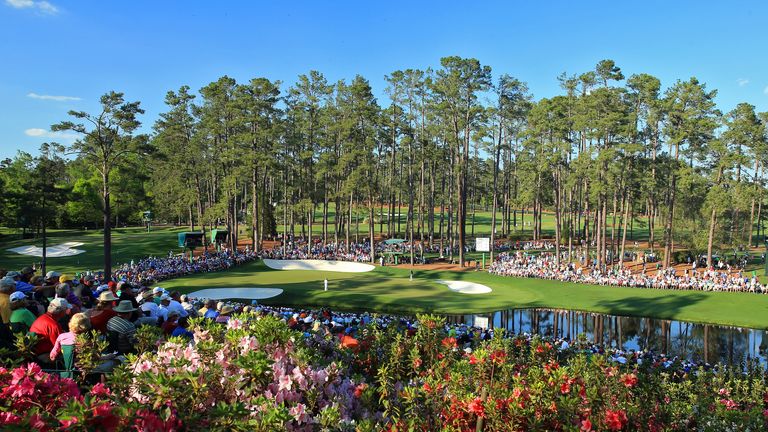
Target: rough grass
(389,290)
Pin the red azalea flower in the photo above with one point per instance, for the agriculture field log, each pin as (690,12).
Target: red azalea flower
(565,388)
(476,407)
(585,425)
(629,380)
(615,420)
(473,359)
(449,342)
(416,363)
(427,388)
(498,356)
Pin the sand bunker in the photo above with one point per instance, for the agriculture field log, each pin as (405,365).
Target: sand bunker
(62,250)
(237,293)
(323,265)
(466,287)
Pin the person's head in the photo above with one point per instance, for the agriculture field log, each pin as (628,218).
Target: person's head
(165,300)
(7,285)
(62,290)
(124,309)
(183,322)
(157,291)
(27,273)
(18,300)
(219,305)
(14,275)
(79,323)
(66,278)
(211,304)
(52,277)
(226,310)
(106,300)
(183,298)
(58,308)
(173,316)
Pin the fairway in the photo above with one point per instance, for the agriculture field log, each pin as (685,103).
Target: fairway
(388,289)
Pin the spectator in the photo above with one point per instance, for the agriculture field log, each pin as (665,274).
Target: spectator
(103,311)
(47,327)
(181,329)
(21,318)
(122,332)
(7,287)
(224,315)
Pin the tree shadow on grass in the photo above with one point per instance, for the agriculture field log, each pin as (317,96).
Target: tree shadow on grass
(662,307)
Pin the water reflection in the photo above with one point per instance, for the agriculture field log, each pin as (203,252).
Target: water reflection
(696,342)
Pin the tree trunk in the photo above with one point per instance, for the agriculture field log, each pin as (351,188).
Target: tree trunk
(107,213)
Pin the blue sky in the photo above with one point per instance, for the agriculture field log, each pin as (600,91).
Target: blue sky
(58,55)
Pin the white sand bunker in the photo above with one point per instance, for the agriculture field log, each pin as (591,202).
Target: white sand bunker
(237,293)
(465,287)
(62,250)
(334,266)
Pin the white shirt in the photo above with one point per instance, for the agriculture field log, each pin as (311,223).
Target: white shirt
(151,307)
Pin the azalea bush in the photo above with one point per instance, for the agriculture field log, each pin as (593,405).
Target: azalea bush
(257,374)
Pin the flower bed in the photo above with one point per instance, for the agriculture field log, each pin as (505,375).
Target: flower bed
(257,374)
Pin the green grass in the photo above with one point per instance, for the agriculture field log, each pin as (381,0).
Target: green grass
(127,244)
(389,290)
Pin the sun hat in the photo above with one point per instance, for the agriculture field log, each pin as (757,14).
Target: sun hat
(124,306)
(17,296)
(107,296)
(146,295)
(226,310)
(165,297)
(64,277)
(60,303)
(13,274)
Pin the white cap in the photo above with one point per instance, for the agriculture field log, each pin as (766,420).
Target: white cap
(156,290)
(61,303)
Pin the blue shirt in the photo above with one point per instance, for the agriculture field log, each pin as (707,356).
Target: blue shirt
(24,287)
(212,314)
(181,331)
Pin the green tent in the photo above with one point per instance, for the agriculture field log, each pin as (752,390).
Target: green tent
(219,236)
(190,239)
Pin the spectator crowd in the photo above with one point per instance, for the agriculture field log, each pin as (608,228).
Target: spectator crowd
(545,266)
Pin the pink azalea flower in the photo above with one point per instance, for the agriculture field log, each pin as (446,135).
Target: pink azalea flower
(299,413)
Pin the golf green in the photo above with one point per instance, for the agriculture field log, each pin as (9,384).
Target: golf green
(387,289)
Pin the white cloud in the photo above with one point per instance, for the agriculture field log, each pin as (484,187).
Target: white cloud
(42,133)
(742,82)
(41,6)
(51,97)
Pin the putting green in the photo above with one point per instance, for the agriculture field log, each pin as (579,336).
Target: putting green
(388,289)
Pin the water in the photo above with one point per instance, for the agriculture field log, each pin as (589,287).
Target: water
(696,342)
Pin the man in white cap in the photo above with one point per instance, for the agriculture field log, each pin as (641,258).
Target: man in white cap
(121,329)
(167,304)
(47,327)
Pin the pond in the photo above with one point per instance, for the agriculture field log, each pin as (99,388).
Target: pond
(696,342)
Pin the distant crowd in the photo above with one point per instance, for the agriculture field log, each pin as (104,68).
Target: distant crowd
(544,266)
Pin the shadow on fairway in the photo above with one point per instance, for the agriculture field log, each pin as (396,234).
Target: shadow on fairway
(658,307)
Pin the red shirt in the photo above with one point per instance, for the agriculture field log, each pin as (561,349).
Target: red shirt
(99,322)
(48,329)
